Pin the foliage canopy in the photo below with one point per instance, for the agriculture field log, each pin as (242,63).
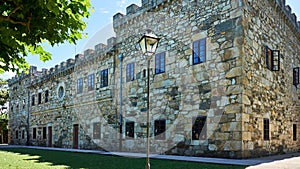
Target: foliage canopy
(25,24)
(3,100)
(3,92)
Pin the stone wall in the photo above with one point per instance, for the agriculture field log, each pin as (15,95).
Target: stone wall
(269,94)
(209,89)
(233,88)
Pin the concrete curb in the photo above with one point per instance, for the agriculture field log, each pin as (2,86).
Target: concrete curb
(245,162)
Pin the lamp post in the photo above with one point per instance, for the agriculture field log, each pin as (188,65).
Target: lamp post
(121,103)
(148,44)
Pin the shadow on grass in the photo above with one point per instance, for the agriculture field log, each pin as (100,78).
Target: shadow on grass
(85,160)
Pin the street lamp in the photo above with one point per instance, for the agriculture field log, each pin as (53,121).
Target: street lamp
(148,44)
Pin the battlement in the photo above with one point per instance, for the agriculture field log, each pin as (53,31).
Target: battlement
(132,11)
(36,75)
(99,49)
(287,10)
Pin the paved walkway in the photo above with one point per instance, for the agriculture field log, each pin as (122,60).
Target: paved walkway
(286,161)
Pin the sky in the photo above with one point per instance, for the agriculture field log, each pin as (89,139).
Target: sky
(99,29)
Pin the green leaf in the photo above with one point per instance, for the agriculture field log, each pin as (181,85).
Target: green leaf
(51,21)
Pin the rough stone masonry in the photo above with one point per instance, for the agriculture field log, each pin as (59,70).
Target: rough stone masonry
(223,83)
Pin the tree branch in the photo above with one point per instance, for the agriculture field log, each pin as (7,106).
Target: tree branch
(8,19)
(14,11)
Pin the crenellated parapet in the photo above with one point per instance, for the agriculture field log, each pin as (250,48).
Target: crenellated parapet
(287,10)
(60,69)
(133,12)
(36,76)
(98,51)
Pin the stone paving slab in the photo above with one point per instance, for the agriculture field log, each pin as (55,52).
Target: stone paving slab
(286,161)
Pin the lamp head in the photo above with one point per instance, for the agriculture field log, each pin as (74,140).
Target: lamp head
(149,43)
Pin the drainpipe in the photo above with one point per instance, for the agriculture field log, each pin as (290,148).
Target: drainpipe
(121,101)
(28,102)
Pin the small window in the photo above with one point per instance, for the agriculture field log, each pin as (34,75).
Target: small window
(23,134)
(39,98)
(130,72)
(272,59)
(23,103)
(96,130)
(32,100)
(159,129)
(160,63)
(130,129)
(144,73)
(44,132)
(294,132)
(199,51)
(46,96)
(61,92)
(91,82)
(104,78)
(79,85)
(17,134)
(198,130)
(266,129)
(296,76)
(34,133)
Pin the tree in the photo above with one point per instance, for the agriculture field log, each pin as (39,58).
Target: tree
(26,24)
(3,109)
(3,93)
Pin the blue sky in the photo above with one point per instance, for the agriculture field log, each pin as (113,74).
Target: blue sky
(99,29)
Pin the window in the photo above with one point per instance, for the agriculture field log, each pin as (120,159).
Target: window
(39,98)
(32,100)
(91,82)
(23,134)
(296,76)
(130,72)
(197,130)
(104,78)
(160,63)
(266,129)
(46,96)
(96,130)
(17,134)
(272,59)
(44,132)
(199,51)
(159,129)
(80,85)
(34,133)
(60,92)
(294,132)
(130,129)
(23,103)
(144,73)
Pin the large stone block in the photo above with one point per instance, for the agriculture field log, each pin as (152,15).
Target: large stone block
(234,72)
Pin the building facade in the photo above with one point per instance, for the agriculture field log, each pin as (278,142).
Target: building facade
(223,83)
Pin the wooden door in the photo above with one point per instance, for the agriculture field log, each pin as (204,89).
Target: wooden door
(50,136)
(75,136)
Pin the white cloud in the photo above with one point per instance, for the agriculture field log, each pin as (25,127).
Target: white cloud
(121,3)
(103,10)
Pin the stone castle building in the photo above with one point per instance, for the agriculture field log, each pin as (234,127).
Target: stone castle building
(223,83)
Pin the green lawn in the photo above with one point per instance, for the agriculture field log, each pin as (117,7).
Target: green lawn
(21,158)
